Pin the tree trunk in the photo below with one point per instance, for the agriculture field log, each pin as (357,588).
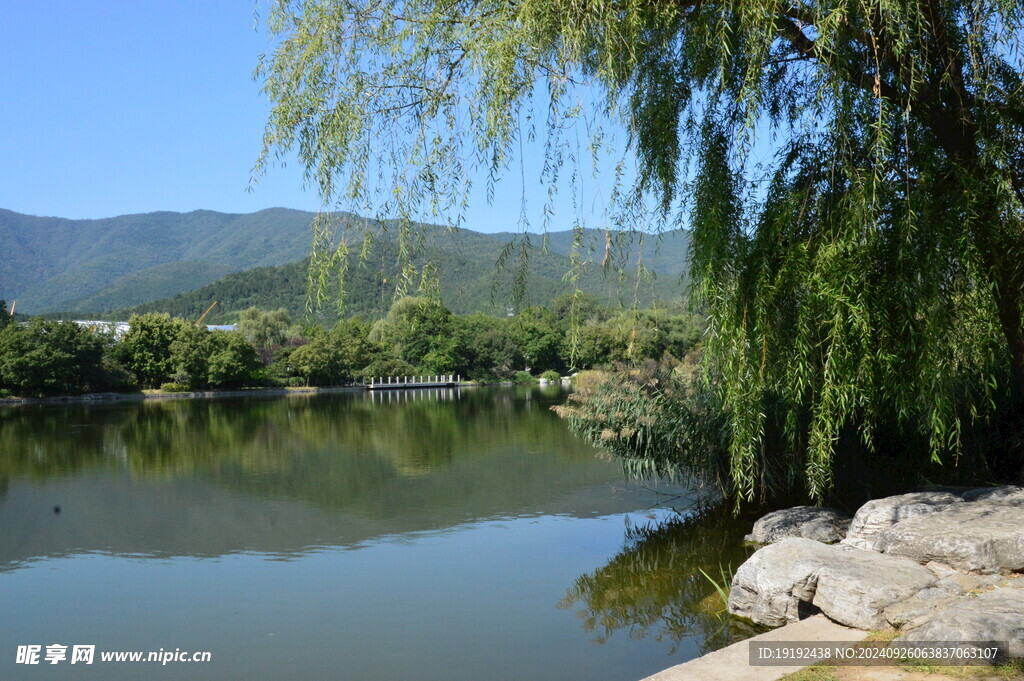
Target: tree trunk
(1009,297)
(1003,260)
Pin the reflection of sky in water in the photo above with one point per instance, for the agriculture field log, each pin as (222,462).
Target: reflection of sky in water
(290,542)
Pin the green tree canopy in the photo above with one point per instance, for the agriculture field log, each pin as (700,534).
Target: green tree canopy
(266,330)
(46,357)
(421,331)
(146,351)
(868,271)
(190,355)
(233,362)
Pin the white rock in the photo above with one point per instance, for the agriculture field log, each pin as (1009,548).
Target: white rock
(923,605)
(878,514)
(973,537)
(1009,495)
(826,525)
(996,615)
(850,586)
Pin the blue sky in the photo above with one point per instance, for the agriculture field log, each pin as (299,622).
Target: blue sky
(127,107)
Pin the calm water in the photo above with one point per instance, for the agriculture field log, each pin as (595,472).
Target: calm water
(448,536)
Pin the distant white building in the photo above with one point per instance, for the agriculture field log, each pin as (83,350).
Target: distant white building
(119,329)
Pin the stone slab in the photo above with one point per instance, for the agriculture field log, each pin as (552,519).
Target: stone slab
(1009,495)
(971,537)
(996,615)
(732,663)
(877,515)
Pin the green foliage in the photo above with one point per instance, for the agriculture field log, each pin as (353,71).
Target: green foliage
(863,283)
(658,422)
(145,349)
(233,363)
(386,365)
(524,377)
(622,338)
(111,375)
(487,348)
(421,331)
(722,587)
(266,331)
(537,333)
(318,361)
(46,357)
(352,338)
(467,277)
(417,337)
(55,264)
(552,376)
(158,349)
(172,387)
(5,315)
(190,354)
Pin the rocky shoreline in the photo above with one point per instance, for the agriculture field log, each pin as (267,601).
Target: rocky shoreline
(942,564)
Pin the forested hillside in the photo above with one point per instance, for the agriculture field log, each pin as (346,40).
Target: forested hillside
(92,266)
(469,281)
(664,253)
(59,264)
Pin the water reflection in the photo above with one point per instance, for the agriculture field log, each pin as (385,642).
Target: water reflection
(417,536)
(279,475)
(655,587)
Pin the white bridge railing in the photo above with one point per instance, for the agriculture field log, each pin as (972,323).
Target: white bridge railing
(384,382)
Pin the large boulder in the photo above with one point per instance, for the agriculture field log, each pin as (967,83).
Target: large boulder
(1009,495)
(973,537)
(923,605)
(851,586)
(996,615)
(771,585)
(826,525)
(879,514)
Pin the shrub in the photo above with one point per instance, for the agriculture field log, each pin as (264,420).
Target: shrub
(524,377)
(173,387)
(589,379)
(552,376)
(658,423)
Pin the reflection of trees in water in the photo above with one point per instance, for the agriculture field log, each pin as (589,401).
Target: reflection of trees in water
(337,451)
(260,434)
(654,586)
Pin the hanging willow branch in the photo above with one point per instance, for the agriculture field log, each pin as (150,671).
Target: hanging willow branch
(856,200)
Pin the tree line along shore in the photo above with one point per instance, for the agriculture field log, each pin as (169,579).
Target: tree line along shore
(418,336)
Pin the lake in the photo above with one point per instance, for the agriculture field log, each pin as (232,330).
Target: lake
(430,535)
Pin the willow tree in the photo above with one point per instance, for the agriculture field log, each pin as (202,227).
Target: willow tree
(852,171)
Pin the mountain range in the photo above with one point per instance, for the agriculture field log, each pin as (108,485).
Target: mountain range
(182,262)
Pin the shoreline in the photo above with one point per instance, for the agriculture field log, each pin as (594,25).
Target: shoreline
(935,565)
(142,396)
(107,398)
